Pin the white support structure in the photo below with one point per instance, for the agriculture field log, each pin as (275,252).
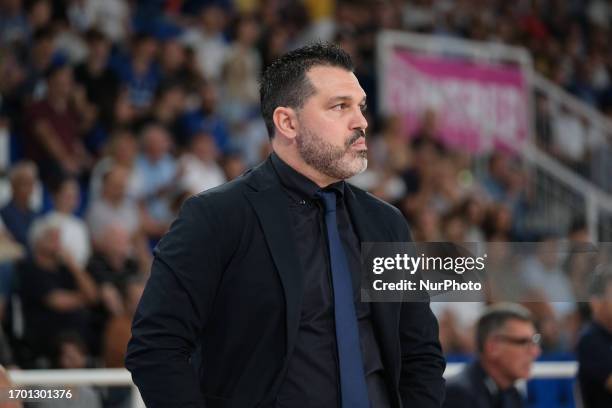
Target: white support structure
(117,377)
(559,178)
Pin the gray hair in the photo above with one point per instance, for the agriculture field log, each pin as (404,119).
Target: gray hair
(40,228)
(23,167)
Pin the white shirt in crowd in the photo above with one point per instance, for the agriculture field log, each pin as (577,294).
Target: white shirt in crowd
(74,235)
(198,175)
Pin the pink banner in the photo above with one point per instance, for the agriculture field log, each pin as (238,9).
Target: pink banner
(479,105)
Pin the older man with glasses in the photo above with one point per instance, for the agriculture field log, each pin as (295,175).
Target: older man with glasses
(507,346)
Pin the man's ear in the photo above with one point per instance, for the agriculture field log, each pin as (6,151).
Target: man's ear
(286,122)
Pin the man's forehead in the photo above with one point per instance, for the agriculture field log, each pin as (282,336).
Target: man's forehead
(518,326)
(335,82)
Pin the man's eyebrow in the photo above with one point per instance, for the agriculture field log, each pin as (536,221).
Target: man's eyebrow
(346,98)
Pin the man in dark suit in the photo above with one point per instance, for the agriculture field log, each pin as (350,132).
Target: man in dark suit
(253,295)
(595,344)
(507,345)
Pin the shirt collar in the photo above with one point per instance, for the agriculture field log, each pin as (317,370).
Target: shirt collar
(299,184)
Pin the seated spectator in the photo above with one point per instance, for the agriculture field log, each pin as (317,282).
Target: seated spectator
(118,329)
(138,72)
(71,353)
(595,345)
(206,118)
(116,337)
(112,265)
(241,72)
(168,106)
(507,346)
(113,206)
(99,80)
(73,230)
(208,41)
(116,207)
(55,291)
(122,150)
(56,125)
(199,168)
(17,215)
(159,168)
(550,293)
(233,166)
(504,182)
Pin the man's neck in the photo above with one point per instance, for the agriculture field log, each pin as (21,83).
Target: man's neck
(303,168)
(501,380)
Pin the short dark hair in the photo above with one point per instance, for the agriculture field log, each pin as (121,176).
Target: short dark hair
(495,317)
(284,82)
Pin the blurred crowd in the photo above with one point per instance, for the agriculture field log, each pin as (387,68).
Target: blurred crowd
(113,112)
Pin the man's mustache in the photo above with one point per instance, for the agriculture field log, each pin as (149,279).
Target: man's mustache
(356,135)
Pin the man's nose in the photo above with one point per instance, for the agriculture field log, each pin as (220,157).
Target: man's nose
(359,122)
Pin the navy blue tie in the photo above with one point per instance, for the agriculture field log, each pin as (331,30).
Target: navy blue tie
(353,389)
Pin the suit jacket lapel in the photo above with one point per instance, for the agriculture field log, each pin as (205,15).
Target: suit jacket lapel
(270,204)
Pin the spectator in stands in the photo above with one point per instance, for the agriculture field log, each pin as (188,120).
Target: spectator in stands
(112,17)
(233,166)
(14,27)
(17,214)
(113,265)
(497,223)
(117,334)
(40,55)
(419,178)
(168,106)
(118,330)
(472,210)
(73,230)
(55,291)
(173,59)
(113,206)
(158,167)
(209,42)
(56,125)
(507,346)
(499,181)
(71,353)
(426,225)
(241,71)
(138,71)
(99,80)
(550,291)
(594,347)
(122,150)
(199,168)
(206,118)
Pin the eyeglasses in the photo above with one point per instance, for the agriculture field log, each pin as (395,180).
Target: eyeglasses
(521,341)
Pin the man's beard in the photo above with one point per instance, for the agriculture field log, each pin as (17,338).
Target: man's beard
(336,162)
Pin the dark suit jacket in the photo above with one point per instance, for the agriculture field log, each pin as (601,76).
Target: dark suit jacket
(469,389)
(219,316)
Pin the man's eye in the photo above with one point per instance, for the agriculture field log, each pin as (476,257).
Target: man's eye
(339,107)
(363,107)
